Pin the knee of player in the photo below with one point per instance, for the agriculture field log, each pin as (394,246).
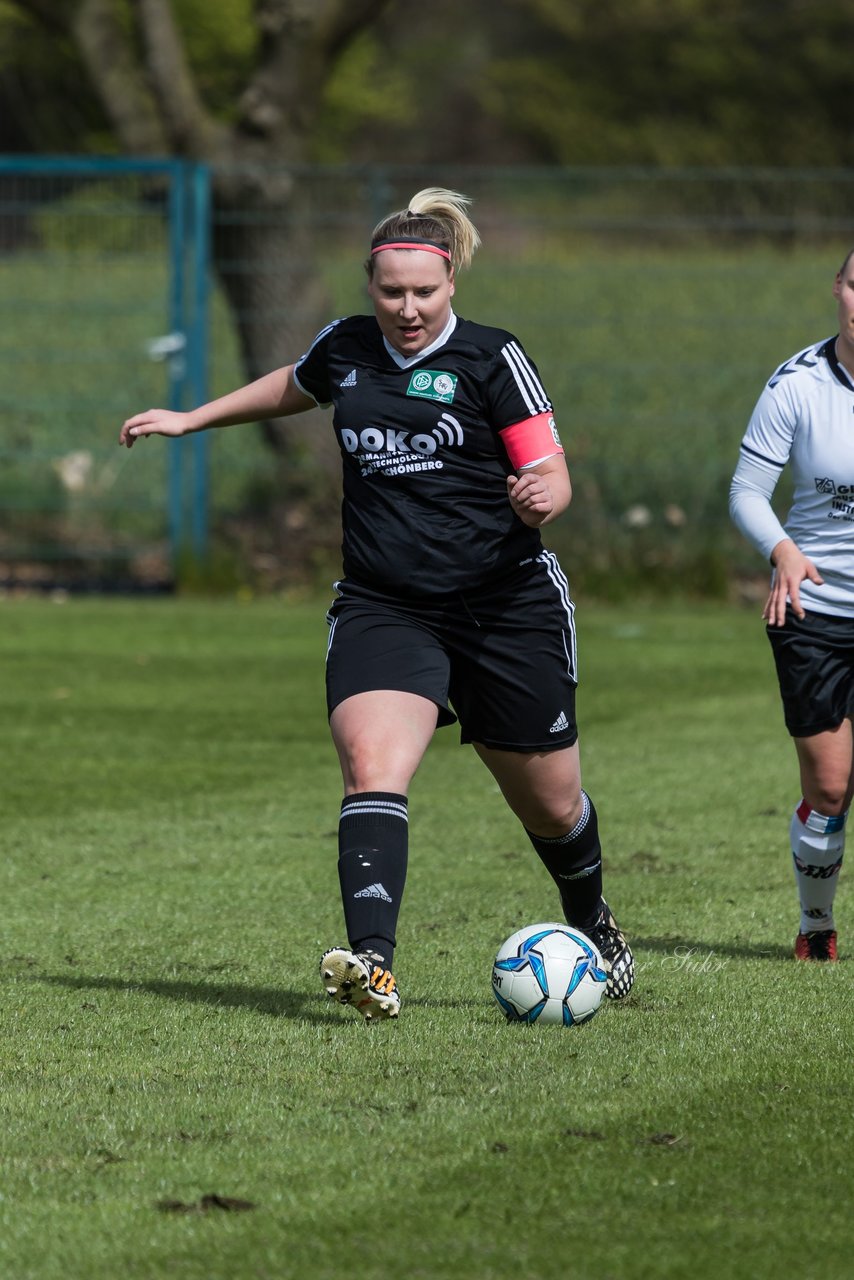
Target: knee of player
(828,797)
(553,820)
(367,766)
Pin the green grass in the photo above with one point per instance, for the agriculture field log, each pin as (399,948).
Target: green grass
(168,882)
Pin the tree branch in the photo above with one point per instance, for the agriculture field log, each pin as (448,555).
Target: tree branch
(301,41)
(45,13)
(346,20)
(191,129)
(118,78)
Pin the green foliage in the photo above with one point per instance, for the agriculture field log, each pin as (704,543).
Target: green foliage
(50,103)
(100,219)
(27,493)
(222,45)
(169,883)
(365,90)
(692,82)
(46,102)
(218,573)
(665,82)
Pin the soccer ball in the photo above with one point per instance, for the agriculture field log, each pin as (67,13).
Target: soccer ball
(549,973)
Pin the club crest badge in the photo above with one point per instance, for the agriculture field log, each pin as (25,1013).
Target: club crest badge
(433,384)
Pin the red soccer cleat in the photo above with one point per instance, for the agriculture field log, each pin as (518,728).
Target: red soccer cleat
(818,945)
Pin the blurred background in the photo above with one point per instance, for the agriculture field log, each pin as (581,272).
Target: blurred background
(664,191)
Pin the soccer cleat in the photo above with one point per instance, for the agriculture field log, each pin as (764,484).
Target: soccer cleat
(359,979)
(820,944)
(616,954)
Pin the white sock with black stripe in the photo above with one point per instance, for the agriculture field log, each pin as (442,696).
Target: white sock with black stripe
(818,843)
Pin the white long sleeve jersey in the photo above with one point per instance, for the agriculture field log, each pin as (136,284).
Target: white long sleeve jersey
(804,417)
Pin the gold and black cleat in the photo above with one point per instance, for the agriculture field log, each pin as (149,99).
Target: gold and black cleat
(359,979)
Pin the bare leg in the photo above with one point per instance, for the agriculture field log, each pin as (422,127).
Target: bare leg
(381,737)
(542,788)
(827,769)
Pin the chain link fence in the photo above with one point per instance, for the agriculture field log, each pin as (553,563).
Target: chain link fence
(655,303)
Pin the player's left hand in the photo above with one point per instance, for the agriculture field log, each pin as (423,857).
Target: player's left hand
(530,497)
(791,568)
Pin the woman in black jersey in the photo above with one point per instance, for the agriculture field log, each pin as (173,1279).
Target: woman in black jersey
(449,606)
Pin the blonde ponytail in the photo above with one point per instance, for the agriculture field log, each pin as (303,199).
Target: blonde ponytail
(437,215)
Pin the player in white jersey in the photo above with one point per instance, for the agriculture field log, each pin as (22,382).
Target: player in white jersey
(449,607)
(805,419)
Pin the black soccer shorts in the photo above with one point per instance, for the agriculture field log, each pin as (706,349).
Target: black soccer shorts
(501,659)
(814,656)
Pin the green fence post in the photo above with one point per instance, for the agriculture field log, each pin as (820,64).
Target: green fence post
(177,361)
(198,350)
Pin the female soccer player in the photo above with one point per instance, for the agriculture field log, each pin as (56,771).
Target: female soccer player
(449,607)
(805,417)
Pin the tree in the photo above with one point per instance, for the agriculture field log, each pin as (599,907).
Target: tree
(258,87)
(671,83)
(252,126)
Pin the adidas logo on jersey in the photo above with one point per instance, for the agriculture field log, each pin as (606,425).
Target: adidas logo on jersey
(350,380)
(560,724)
(373,891)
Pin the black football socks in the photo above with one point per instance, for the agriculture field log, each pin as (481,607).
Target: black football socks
(373,843)
(574,862)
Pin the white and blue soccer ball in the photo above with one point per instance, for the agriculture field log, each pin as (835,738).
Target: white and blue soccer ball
(549,973)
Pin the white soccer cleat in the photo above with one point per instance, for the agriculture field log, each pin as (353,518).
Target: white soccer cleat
(359,979)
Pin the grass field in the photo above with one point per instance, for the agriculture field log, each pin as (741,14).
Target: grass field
(169,881)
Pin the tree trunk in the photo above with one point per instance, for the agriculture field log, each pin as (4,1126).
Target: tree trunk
(264,258)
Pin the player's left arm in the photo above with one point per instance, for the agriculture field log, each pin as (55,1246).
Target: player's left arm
(540,493)
(540,489)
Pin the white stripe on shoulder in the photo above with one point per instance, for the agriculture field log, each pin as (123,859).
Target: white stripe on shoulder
(530,387)
(322,404)
(319,337)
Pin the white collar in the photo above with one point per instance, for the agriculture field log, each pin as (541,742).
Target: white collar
(404,362)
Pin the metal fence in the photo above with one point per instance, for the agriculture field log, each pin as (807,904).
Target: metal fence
(104,278)
(656,304)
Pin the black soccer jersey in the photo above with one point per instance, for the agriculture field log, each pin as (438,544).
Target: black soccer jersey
(425,507)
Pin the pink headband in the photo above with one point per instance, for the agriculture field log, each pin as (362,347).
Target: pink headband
(413,242)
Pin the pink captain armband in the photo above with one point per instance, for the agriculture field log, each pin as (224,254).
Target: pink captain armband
(531,441)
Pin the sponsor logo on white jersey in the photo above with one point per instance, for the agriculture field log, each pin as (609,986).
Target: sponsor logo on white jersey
(824,484)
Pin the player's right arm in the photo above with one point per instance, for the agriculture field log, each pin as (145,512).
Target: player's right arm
(275,395)
(765,449)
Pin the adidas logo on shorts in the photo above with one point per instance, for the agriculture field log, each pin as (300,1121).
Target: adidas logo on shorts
(560,724)
(350,380)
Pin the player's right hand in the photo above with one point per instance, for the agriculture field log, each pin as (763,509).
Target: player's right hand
(154,422)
